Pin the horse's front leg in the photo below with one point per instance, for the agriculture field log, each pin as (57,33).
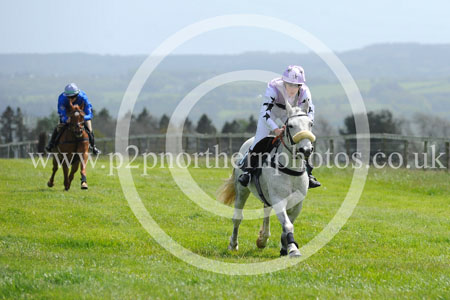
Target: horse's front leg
(288,244)
(73,170)
(242,194)
(264,232)
(83,163)
(66,176)
(51,181)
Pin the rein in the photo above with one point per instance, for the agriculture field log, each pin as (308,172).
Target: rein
(288,134)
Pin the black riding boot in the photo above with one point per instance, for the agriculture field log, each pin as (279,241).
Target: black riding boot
(250,165)
(313,182)
(51,142)
(95,151)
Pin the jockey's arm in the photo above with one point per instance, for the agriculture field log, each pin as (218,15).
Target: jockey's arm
(87,107)
(266,109)
(62,109)
(306,97)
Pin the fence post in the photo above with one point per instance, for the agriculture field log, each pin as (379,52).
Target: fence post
(197,142)
(447,149)
(331,148)
(405,153)
(425,156)
(230,143)
(218,144)
(347,147)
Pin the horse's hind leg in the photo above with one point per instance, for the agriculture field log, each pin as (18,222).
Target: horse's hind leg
(242,194)
(51,181)
(264,232)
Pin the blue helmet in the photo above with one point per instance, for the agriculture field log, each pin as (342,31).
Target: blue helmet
(71,90)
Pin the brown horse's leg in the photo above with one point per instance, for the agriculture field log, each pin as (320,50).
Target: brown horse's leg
(83,163)
(50,182)
(66,176)
(74,169)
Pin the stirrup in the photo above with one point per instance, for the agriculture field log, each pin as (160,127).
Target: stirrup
(313,183)
(95,151)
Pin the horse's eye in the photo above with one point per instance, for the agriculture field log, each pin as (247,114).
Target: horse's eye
(290,126)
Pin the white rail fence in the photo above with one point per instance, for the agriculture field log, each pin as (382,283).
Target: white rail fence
(409,147)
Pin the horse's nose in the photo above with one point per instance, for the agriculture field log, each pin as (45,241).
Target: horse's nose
(306,151)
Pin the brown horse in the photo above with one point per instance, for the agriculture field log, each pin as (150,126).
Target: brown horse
(72,145)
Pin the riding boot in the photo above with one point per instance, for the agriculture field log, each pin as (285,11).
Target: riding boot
(51,142)
(251,161)
(313,182)
(95,150)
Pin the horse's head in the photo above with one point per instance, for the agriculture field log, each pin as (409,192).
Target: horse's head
(298,129)
(76,117)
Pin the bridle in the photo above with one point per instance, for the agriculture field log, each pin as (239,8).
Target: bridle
(287,133)
(78,125)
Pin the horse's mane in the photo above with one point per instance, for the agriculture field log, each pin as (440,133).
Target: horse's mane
(296,110)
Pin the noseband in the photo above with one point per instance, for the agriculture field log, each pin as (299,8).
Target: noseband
(297,137)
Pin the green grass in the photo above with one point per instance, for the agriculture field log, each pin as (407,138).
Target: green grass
(88,244)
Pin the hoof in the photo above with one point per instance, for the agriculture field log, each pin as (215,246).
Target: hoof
(84,186)
(293,251)
(261,244)
(261,241)
(49,184)
(232,246)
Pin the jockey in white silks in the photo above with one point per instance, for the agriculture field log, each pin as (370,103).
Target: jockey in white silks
(290,87)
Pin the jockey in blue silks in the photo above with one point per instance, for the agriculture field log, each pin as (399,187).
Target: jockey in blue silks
(72,94)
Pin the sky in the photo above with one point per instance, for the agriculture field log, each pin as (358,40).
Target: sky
(138,27)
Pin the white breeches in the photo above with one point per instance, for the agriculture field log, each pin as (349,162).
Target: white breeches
(262,130)
(89,125)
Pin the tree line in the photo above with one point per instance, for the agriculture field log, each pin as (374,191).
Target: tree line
(12,127)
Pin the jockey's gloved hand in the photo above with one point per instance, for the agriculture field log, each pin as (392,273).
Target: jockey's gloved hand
(279,131)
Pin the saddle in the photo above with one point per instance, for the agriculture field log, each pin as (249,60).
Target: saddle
(60,128)
(265,146)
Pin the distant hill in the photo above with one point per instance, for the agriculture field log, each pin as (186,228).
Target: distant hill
(405,78)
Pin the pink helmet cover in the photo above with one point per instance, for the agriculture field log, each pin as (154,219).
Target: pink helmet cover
(294,74)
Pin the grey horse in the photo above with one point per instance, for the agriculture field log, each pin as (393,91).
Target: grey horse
(283,191)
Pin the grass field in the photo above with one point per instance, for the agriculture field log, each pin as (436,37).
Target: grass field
(88,244)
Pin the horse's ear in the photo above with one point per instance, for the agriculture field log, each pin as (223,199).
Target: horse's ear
(82,106)
(289,108)
(305,107)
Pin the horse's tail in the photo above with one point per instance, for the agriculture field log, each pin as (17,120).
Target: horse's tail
(226,193)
